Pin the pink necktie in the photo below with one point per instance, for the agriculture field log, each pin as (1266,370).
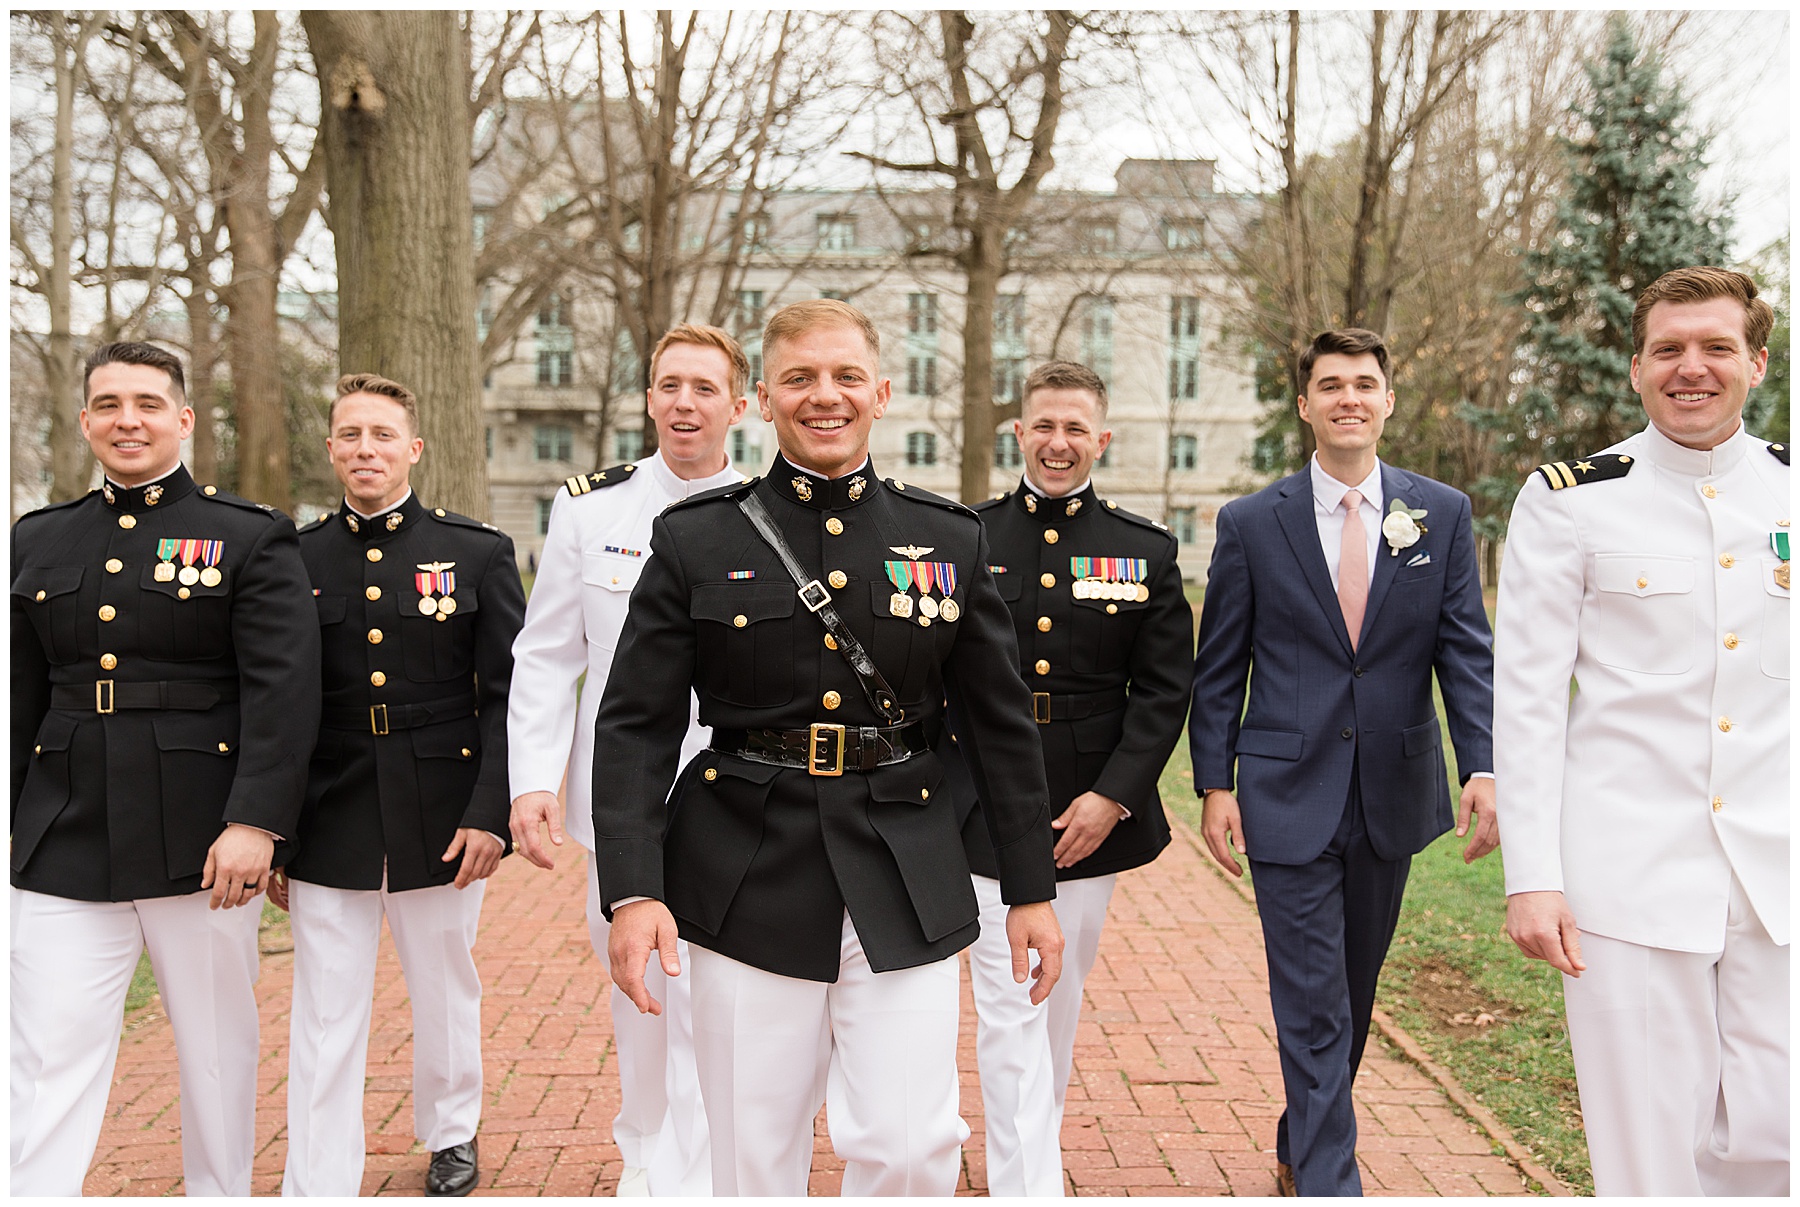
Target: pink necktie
(1353,567)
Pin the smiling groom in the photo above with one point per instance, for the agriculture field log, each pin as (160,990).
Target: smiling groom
(1347,584)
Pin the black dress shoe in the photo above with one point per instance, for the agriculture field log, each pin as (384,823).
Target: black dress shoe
(453,1171)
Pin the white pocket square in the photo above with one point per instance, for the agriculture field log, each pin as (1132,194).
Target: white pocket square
(1420,559)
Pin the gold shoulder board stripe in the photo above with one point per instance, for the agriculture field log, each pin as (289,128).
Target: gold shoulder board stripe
(579,485)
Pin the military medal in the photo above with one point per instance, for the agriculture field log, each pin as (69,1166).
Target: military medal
(433,579)
(901,575)
(210,553)
(427,606)
(445,607)
(948,611)
(190,553)
(165,565)
(900,604)
(1778,541)
(1120,578)
(928,607)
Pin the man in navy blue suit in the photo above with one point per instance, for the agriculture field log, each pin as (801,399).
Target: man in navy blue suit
(1346,584)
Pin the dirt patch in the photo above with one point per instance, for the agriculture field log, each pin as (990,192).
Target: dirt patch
(1455,1006)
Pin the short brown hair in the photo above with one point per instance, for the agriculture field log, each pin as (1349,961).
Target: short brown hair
(1702,284)
(371,383)
(1063,375)
(132,352)
(797,318)
(1347,341)
(706,337)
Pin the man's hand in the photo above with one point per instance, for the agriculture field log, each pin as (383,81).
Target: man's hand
(1085,824)
(529,812)
(1541,924)
(1031,926)
(237,866)
(647,926)
(1222,825)
(278,890)
(1478,798)
(480,853)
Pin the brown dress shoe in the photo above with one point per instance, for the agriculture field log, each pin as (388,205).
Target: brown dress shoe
(1284,1180)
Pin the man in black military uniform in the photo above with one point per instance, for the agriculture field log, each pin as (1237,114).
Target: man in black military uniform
(165,696)
(406,803)
(1105,638)
(811,854)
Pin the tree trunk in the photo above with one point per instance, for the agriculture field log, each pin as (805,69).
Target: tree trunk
(202,357)
(397,142)
(978,411)
(71,460)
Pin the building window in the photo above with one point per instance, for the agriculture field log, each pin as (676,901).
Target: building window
(1184,377)
(1009,378)
(921,375)
(625,368)
(834,295)
(754,356)
(921,448)
(555,368)
(1182,234)
(1097,336)
(543,516)
(754,230)
(553,313)
(553,444)
(1181,523)
(1184,318)
(628,444)
(744,450)
(1009,318)
(1184,452)
(484,312)
(1100,237)
(921,314)
(1007,453)
(750,306)
(490,444)
(1105,459)
(837,232)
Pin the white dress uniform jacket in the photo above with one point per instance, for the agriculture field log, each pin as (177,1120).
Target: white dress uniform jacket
(1666,772)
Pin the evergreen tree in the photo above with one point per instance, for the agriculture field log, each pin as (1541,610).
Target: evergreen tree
(1627,215)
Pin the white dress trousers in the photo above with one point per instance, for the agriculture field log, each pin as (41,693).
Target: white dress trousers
(1025,1052)
(1667,1115)
(72,962)
(337,934)
(877,1049)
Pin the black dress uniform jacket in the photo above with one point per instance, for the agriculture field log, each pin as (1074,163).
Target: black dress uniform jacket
(147,712)
(1110,676)
(759,862)
(413,740)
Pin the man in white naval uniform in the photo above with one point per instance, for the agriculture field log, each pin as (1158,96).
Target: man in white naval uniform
(598,541)
(1644,819)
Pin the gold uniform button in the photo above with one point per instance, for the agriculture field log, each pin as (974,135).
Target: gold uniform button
(114,565)
(374,636)
(1718,804)
(182,593)
(1731,641)
(374,593)
(1642,583)
(439,511)
(1724,724)
(128,521)
(712,773)
(615,579)
(1048,580)
(40,597)
(224,747)
(107,611)
(1709,491)
(834,526)
(211,490)
(108,662)
(1112,609)
(1050,536)
(1042,667)
(838,580)
(374,555)
(37,750)
(1727,561)
(378,679)
(740,620)
(830,642)
(832,700)
(465,752)
(1043,624)
(924,793)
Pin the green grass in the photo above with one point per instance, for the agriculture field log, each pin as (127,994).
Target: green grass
(1459,986)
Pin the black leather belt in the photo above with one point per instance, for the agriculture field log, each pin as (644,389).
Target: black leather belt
(384,718)
(108,695)
(1046,708)
(825,749)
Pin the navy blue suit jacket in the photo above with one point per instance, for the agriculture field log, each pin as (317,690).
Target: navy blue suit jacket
(1317,709)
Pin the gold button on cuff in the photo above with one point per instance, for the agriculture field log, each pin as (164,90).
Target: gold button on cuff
(1718,804)
(1043,624)
(108,662)
(1050,536)
(740,620)
(114,565)
(832,700)
(378,679)
(1731,641)
(1727,561)
(1642,583)
(128,521)
(834,526)
(224,747)
(107,611)
(830,642)
(1724,724)
(1042,667)
(1048,580)
(374,555)
(374,636)
(1709,491)
(838,580)
(374,593)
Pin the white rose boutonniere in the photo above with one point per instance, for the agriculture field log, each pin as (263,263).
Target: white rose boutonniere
(1401,526)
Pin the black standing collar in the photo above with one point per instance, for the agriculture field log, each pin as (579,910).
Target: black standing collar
(402,518)
(822,494)
(165,490)
(1047,509)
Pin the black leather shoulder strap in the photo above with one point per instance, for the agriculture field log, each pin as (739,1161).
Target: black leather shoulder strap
(818,601)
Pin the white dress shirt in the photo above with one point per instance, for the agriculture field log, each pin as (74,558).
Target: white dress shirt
(1328,512)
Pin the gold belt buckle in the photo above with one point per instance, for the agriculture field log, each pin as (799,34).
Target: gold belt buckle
(1040,707)
(103,696)
(378,722)
(822,762)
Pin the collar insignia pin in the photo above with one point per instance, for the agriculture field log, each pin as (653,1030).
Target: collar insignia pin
(803,488)
(153,496)
(857,485)
(393,521)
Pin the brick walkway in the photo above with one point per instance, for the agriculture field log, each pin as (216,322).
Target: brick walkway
(1176,1086)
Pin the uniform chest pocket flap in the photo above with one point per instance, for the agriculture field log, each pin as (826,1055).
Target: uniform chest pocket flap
(743,658)
(332,608)
(1011,585)
(741,606)
(49,597)
(1776,637)
(611,571)
(1645,619)
(185,621)
(182,592)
